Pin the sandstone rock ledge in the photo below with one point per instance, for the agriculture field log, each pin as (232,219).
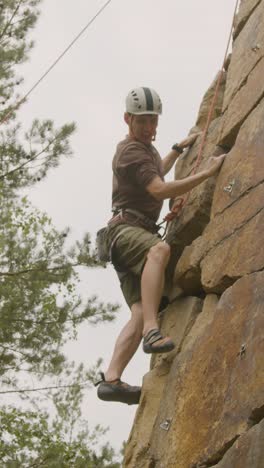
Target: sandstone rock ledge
(202,405)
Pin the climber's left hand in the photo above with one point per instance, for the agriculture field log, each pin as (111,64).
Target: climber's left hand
(189,141)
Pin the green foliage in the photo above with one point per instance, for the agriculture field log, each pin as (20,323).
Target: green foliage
(40,309)
(28,439)
(24,164)
(39,306)
(32,438)
(17,17)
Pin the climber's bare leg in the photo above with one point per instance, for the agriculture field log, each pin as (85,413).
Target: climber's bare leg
(127,343)
(152,283)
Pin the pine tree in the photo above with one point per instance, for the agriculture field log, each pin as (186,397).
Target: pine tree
(39,307)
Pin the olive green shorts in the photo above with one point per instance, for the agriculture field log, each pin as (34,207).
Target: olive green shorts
(129,256)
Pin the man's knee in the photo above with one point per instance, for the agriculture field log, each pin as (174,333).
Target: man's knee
(137,311)
(137,317)
(160,253)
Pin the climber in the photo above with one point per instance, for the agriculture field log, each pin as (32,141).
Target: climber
(138,253)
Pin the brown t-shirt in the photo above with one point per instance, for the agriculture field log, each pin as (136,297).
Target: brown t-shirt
(134,166)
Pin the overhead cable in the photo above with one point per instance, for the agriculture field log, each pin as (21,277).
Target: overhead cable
(16,106)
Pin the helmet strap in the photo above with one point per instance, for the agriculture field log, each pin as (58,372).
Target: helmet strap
(131,126)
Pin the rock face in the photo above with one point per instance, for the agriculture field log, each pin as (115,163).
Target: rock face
(202,405)
(216,382)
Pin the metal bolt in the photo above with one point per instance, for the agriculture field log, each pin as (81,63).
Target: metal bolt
(166,424)
(229,187)
(255,48)
(242,351)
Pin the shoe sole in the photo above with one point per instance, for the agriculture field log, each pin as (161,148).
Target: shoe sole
(150,349)
(128,398)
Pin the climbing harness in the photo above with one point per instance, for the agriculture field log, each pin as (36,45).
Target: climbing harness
(6,117)
(149,224)
(105,251)
(180,202)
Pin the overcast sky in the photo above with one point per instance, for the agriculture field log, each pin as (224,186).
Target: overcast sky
(174,46)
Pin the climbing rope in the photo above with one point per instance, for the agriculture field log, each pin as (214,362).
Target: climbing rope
(180,202)
(6,117)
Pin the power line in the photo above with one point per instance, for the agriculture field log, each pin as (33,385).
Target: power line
(16,106)
(52,387)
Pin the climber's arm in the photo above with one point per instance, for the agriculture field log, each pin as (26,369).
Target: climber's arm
(162,190)
(169,160)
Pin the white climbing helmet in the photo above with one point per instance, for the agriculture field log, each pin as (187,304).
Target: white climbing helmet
(143,101)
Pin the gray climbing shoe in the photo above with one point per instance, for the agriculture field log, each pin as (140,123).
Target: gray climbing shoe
(166,344)
(116,390)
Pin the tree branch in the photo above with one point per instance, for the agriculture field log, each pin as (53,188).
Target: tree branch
(11,19)
(29,160)
(6,348)
(38,463)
